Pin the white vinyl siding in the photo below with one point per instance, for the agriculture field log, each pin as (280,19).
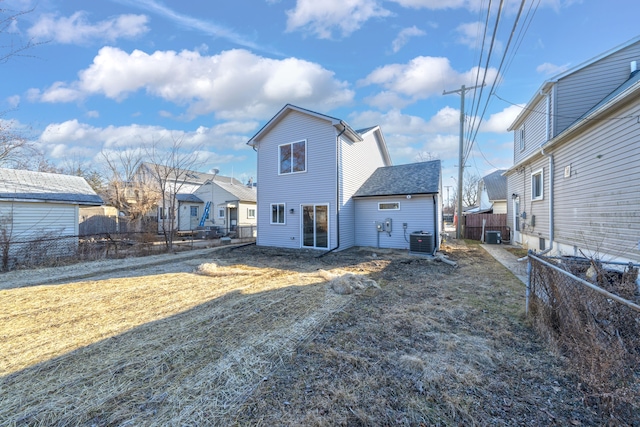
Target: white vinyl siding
(31,221)
(316,186)
(417,212)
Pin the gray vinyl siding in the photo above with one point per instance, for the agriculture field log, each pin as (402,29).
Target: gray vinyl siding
(535,129)
(315,186)
(580,91)
(417,212)
(358,161)
(597,208)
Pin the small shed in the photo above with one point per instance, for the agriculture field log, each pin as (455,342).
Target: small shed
(39,213)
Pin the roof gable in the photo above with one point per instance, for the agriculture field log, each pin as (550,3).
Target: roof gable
(340,125)
(496,185)
(413,178)
(16,185)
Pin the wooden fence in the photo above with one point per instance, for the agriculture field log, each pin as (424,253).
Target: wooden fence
(494,222)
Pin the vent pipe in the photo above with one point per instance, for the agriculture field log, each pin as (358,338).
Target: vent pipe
(634,66)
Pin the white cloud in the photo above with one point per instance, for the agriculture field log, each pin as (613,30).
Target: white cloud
(420,78)
(232,84)
(76,29)
(323,17)
(93,114)
(59,140)
(13,101)
(551,69)
(500,122)
(433,4)
(404,36)
(470,34)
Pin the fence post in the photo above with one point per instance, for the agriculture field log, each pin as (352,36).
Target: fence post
(528,284)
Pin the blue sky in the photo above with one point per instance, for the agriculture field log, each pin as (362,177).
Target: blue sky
(121,73)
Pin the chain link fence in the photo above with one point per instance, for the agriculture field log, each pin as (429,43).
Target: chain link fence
(590,311)
(54,249)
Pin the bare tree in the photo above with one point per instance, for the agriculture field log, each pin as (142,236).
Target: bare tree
(470,189)
(125,190)
(10,43)
(169,169)
(15,149)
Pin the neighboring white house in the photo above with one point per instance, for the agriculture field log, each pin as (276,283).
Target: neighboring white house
(310,166)
(492,193)
(573,187)
(41,206)
(223,201)
(234,204)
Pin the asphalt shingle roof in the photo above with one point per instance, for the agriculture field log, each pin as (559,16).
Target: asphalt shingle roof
(496,185)
(188,198)
(50,187)
(413,178)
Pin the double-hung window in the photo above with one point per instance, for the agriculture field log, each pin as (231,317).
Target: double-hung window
(277,213)
(537,185)
(292,157)
(251,213)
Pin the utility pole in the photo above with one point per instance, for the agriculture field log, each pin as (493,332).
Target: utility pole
(448,199)
(462,91)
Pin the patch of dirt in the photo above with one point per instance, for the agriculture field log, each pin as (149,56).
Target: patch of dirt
(265,336)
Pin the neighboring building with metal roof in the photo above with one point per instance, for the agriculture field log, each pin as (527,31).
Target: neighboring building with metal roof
(492,193)
(572,188)
(39,213)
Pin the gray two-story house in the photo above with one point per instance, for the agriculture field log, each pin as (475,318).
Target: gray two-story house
(326,186)
(573,188)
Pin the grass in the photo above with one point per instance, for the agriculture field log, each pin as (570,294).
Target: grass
(257,336)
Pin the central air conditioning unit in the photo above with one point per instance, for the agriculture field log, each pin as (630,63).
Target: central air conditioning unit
(421,242)
(493,237)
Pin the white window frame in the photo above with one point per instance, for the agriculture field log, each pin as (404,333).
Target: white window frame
(283,219)
(251,213)
(221,212)
(522,136)
(291,144)
(381,208)
(193,209)
(537,195)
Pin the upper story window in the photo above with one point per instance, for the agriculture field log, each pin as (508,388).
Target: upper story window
(293,157)
(537,185)
(521,138)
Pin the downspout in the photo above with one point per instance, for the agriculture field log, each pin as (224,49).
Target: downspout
(436,237)
(551,186)
(344,128)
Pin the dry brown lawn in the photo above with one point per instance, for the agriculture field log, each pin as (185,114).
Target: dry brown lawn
(256,336)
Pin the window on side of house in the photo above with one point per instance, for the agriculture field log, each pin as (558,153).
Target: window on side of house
(521,137)
(277,213)
(194,211)
(537,185)
(251,213)
(389,206)
(292,157)
(221,213)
